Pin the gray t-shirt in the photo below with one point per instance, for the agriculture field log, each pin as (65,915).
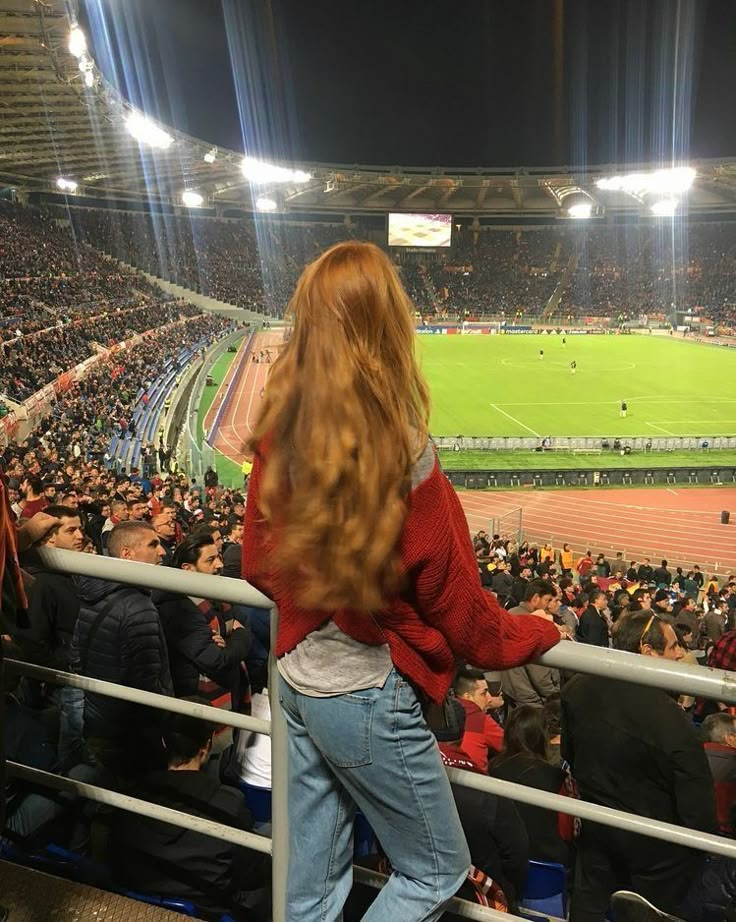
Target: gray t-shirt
(329,662)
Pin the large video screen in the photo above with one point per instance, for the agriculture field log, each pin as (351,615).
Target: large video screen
(419,230)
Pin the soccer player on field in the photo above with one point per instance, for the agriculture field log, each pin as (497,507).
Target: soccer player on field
(573,367)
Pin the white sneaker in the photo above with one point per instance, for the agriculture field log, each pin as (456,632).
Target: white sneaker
(630,907)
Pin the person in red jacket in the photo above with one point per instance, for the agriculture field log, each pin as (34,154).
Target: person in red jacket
(483,737)
(351,527)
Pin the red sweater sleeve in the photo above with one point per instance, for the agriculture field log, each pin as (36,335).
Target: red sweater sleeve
(254,534)
(438,552)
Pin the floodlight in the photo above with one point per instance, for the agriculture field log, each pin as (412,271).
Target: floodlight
(664,182)
(147,132)
(664,207)
(258,172)
(66,185)
(77,42)
(211,155)
(580,210)
(89,78)
(266,204)
(191,199)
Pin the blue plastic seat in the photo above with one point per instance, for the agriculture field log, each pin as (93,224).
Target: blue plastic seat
(546,889)
(258,801)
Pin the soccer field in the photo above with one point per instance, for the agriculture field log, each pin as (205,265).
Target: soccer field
(498,386)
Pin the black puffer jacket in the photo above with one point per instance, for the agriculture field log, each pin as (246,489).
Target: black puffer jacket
(128,648)
(192,651)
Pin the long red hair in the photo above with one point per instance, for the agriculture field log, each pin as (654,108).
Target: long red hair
(346,414)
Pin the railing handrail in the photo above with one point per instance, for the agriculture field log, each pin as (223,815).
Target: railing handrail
(145,575)
(653,671)
(139,696)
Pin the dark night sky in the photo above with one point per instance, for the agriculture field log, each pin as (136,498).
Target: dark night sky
(419,82)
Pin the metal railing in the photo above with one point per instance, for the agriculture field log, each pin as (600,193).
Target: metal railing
(657,673)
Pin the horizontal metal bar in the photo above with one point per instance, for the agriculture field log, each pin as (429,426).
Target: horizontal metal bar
(138,696)
(144,807)
(606,816)
(700,681)
(144,575)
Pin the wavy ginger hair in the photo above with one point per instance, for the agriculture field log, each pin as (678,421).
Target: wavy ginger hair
(346,416)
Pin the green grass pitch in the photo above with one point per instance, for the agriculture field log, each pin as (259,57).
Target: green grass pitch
(498,386)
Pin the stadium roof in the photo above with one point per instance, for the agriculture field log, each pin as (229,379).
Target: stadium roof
(60,118)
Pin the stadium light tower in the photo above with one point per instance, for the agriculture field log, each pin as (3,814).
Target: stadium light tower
(67,185)
(77,42)
(260,173)
(147,132)
(580,210)
(665,207)
(192,199)
(263,203)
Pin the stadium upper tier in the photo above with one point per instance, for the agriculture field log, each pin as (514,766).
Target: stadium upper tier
(61,119)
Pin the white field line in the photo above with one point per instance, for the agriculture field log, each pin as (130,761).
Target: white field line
(515,420)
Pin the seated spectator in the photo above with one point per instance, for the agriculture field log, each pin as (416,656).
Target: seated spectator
(151,856)
(719,733)
(532,683)
(496,834)
(483,737)
(254,749)
(632,748)
(524,760)
(205,655)
(552,719)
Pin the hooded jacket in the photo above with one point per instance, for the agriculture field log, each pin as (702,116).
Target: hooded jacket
(128,647)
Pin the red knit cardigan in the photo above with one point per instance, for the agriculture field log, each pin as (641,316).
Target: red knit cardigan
(445,615)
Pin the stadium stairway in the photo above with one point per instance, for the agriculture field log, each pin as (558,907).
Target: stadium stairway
(554,301)
(203,302)
(146,416)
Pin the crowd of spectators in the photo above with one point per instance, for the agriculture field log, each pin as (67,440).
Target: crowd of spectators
(666,756)
(254,267)
(633,270)
(620,272)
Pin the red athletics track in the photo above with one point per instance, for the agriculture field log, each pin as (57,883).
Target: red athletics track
(245,379)
(680,524)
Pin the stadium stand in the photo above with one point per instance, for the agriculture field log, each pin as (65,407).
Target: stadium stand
(618,273)
(93,463)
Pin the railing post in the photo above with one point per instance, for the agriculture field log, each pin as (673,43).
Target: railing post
(279,786)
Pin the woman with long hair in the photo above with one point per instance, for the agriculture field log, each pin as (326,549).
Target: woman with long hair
(353,530)
(524,759)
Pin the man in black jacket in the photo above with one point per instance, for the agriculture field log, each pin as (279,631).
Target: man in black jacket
(593,626)
(206,651)
(633,748)
(645,573)
(662,576)
(119,639)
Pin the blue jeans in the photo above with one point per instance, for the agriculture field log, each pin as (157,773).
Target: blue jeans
(371,749)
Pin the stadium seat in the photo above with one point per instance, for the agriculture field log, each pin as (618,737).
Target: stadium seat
(546,889)
(258,801)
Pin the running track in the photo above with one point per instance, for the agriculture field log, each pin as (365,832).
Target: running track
(242,389)
(682,525)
